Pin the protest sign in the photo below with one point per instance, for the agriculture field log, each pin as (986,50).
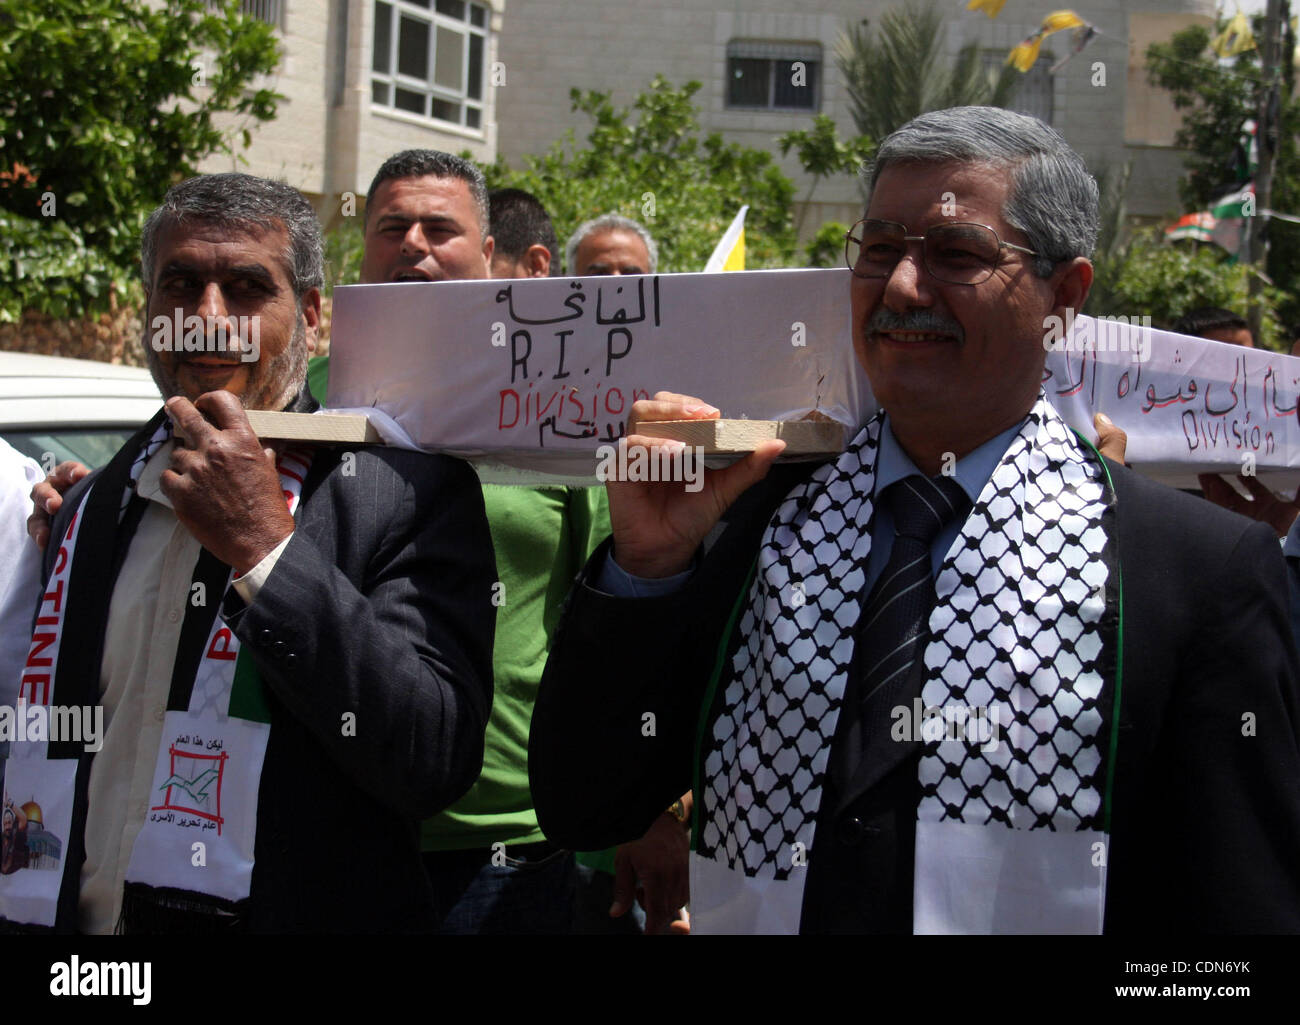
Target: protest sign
(536,375)
(1189,405)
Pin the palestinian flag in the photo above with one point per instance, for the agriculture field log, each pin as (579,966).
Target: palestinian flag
(1198,226)
(1230,213)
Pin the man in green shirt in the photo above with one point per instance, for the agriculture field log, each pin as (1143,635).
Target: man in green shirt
(490,866)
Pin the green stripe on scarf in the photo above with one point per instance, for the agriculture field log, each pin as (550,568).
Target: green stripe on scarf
(247,698)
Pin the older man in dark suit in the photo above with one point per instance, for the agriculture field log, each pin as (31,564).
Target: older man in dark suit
(968,677)
(282,641)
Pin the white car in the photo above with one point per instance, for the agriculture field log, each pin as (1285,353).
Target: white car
(54,409)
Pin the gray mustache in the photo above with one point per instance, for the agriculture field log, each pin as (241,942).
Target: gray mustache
(915,320)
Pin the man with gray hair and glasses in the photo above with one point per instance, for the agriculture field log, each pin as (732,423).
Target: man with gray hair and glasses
(291,648)
(611,244)
(969,676)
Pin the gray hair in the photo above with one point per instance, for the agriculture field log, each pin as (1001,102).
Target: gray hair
(421,163)
(242,202)
(1052,198)
(609,222)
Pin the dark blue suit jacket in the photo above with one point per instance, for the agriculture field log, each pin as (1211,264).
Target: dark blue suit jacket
(380,606)
(1206,805)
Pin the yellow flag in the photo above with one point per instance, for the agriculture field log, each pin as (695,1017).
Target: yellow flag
(990,7)
(736,258)
(1234,39)
(1024,55)
(1058,20)
(729,253)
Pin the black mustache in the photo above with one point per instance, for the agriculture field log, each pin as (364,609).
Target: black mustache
(884,320)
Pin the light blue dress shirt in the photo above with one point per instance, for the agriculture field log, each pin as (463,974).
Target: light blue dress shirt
(972,472)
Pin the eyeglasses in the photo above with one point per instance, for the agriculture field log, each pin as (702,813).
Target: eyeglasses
(958,253)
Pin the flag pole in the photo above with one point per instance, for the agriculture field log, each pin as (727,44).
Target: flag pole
(1268,128)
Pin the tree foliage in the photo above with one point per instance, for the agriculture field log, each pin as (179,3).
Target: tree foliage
(105,104)
(1215,99)
(1148,276)
(820,150)
(650,162)
(345,245)
(902,71)
(1113,239)
(822,154)
(826,248)
(49,267)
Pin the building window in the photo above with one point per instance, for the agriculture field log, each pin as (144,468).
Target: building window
(1034,88)
(269,11)
(429,59)
(773,76)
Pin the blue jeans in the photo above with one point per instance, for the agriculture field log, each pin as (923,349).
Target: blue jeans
(531,893)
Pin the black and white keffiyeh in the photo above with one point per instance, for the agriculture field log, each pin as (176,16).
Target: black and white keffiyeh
(1020,631)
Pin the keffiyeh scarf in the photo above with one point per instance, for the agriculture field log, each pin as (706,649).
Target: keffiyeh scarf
(1011,825)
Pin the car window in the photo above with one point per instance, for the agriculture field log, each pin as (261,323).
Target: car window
(93,446)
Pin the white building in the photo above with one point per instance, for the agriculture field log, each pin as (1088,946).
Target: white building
(743,51)
(365,78)
(362,79)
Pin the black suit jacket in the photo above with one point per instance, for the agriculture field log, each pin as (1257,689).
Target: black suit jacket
(379,606)
(1206,805)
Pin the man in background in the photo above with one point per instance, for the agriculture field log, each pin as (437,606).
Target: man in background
(1216,324)
(523,236)
(611,244)
(20,573)
(643,883)
(492,869)
(1220,325)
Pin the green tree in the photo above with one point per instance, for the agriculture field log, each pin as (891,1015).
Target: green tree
(659,169)
(891,77)
(1113,241)
(106,103)
(826,248)
(822,154)
(902,71)
(1151,277)
(1215,98)
(345,245)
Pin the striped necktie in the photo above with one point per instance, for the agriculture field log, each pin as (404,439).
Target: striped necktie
(892,632)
